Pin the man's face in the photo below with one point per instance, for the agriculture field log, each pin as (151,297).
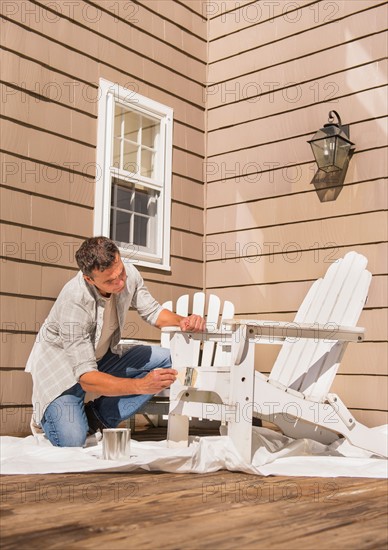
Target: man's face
(110,281)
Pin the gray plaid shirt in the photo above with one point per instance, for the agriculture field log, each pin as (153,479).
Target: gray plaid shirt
(65,345)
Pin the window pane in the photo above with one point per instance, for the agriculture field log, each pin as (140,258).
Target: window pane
(132,123)
(130,158)
(123,225)
(150,131)
(124,198)
(147,163)
(141,202)
(140,231)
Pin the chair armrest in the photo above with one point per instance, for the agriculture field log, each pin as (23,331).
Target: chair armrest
(280,330)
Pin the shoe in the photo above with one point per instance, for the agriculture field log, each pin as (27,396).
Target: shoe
(94,423)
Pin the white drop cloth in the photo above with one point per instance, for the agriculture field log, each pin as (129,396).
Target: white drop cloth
(273,454)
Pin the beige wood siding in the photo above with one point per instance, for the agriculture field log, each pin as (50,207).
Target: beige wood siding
(250,82)
(275,71)
(54,54)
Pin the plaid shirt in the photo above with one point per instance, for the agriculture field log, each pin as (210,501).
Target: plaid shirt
(65,345)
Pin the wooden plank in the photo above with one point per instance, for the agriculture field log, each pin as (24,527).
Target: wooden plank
(167,28)
(312,41)
(282,97)
(302,265)
(180,15)
(132,48)
(288,296)
(15,349)
(249,163)
(44,213)
(278,179)
(269,130)
(289,209)
(47,148)
(223,90)
(312,234)
(187,218)
(362,391)
(234,17)
(89,510)
(15,388)
(46,83)
(47,180)
(32,245)
(49,116)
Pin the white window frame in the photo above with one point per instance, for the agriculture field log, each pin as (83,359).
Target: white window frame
(109,95)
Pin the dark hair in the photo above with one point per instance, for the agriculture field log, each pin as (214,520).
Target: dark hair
(96,253)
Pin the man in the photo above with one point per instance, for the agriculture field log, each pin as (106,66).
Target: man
(77,349)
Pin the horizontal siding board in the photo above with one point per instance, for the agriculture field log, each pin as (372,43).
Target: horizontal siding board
(263,100)
(353,230)
(333,35)
(38,145)
(186,245)
(287,296)
(25,209)
(183,188)
(42,179)
(55,56)
(106,38)
(15,420)
(187,165)
(245,16)
(189,139)
(365,358)
(355,199)
(274,22)
(364,105)
(366,166)
(15,349)
(289,264)
(53,117)
(223,90)
(48,83)
(88,71)
(180,15)
(166,27)
(248,162)
(375,389)
(185,112)
(15,387)
(45,83)
(189,219)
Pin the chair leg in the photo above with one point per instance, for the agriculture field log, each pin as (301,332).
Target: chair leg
(178,430)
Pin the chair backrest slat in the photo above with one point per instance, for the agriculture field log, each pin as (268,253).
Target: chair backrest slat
(310,366)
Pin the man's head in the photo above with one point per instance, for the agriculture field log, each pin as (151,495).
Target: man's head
(99,260)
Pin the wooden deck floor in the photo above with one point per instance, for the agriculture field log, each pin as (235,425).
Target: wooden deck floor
(222,510)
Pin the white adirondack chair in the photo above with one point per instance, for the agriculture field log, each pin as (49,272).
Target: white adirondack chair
(296,395)
(214,312)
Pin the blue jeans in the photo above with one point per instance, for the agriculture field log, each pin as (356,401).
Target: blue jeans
(64,421)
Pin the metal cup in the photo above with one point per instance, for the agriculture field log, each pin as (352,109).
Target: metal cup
(116,443)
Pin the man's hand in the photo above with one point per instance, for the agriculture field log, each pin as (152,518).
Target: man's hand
(157,380)
(193,323)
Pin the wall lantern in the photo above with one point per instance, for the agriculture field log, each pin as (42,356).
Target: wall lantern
(332,150)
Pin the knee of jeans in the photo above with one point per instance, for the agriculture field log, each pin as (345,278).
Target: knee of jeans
(69,437)
(162,357)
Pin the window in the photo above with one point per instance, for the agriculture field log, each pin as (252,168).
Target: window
(133,182)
